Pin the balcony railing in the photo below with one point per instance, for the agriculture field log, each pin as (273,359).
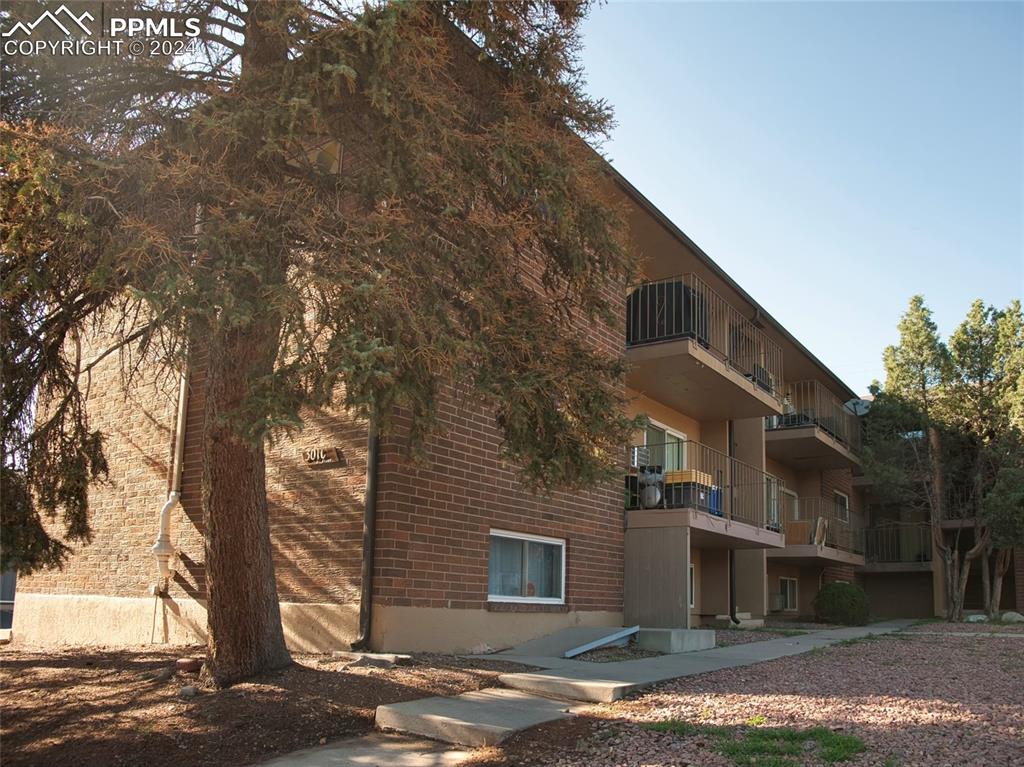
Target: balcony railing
(809,403)
(687,474)
(685,307)
(898,543)
(821,521)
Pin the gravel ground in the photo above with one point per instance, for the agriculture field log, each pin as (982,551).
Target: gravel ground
(914,701)
(613,654)
(74,707)
(730,637)
(968,628)
(782,623)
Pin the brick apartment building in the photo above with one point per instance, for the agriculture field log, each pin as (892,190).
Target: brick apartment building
(741,497)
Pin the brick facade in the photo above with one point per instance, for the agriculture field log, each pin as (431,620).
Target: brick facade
(434,521)
(315,512)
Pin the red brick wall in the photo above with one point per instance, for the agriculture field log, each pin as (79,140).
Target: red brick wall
(123,510)
(316,512)
(434,521)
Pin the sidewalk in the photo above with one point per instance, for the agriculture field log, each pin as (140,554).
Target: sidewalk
(471,718)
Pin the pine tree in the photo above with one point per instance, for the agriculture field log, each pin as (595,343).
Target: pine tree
(345,205)
(944,437)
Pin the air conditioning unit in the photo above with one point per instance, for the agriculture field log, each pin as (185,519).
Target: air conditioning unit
(778,603)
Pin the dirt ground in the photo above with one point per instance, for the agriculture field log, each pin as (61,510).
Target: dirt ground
(909,700)
(88,706)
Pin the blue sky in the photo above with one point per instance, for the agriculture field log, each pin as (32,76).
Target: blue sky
(834,158)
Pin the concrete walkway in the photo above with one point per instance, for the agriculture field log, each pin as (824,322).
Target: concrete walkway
(606,682)
(489,716)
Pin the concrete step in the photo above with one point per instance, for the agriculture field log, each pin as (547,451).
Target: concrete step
(573,687)
(746,622)
(481,718)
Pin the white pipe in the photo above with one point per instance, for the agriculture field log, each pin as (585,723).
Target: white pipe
(162,549)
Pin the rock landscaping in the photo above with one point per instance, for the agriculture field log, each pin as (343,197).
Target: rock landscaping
(903,700)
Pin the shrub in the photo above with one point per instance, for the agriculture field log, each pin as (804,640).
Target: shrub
(842,603)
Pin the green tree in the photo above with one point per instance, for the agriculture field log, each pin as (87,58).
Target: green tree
(342,207)
(944,437)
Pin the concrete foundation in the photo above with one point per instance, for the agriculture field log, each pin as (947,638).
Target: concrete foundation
(91,619)
(671,641)
(438,629)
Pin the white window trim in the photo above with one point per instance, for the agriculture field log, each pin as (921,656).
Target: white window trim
(667,429)
(796,594)
(536,539)
(845,520)
(693,586)
(794,498)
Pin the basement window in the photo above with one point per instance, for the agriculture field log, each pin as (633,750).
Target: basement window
(526,568)
(788,593)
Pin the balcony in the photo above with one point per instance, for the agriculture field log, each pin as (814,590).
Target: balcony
(726,503)
(815,431)
(694,352)
(819,531)
(897,547)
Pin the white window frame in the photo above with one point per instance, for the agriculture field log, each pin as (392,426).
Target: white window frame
(844,519)
(669,431)
(784,592)
(498,533)
(693,588)
(795,499)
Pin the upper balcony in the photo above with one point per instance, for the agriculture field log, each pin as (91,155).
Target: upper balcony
(815,430)
(820,531)
(694,352)
(898,547)
(726,503)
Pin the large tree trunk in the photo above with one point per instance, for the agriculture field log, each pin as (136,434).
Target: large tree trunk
(244,619)
(986,578)
(973,553)
(936,494)
(1002,564)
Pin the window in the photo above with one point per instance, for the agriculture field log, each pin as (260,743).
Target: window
(526,568)
(842,502)
(788,593)
(692,587)
(665,448)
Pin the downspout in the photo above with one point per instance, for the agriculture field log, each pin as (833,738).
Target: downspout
(732,552)
(162,548)
(732,588)
(362,641)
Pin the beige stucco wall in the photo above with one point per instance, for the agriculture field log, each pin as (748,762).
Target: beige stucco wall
(714,582)
(434,629)
(639,404)
(808,581)
(90,619)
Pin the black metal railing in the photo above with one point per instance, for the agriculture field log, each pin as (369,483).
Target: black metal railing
(688,474)
(808,403)
(898,543)
(685,307)
(823,522)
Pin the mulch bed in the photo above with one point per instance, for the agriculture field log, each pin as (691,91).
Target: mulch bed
(89,706)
